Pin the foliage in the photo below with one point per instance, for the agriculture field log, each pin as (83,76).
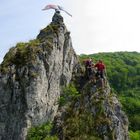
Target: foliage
(41,132)
(124,67)
(79,125)
(21,55)
(134,135)
(123,73)
(70,93)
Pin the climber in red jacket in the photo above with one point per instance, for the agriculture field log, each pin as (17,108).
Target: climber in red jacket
(100,75)
(100,69)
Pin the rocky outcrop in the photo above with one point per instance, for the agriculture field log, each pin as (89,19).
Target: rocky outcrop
(31,80)
(32,75)
(95,115)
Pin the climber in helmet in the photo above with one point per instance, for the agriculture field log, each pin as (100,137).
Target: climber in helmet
(100,70)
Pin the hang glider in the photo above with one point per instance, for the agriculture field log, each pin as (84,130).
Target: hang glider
(56,7)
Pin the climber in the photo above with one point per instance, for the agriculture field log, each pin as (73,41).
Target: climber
(100,70)
(57,18)
(88,65)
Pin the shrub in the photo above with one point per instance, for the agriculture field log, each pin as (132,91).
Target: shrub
(70,93)
(41,132)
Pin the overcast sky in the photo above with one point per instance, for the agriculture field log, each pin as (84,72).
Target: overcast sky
(96,25)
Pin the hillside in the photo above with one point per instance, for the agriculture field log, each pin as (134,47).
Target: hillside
(123,71)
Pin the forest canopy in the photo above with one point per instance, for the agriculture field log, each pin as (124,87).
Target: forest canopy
(123,72)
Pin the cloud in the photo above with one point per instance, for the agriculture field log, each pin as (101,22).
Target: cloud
(101,26)
(96,25)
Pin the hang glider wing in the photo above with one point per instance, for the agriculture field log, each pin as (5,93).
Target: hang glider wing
(50,6)
(61,8)
(55,7)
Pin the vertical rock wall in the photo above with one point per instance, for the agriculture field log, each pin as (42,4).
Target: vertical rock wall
(29,93)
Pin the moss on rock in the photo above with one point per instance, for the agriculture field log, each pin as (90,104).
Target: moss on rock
(22,54)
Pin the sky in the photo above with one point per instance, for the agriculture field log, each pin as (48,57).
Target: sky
(96,25)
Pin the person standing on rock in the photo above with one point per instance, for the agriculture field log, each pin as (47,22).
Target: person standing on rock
(100,70)
(88,66)
(57,18)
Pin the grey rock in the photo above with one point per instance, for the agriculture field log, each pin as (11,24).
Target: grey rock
(110,122)
(32,99)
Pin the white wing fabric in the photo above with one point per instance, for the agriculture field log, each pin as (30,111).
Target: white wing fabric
(51,6)
(61,8)
(55,7)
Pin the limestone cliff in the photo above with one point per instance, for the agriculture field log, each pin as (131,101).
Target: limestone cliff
(31,78)
(94,115)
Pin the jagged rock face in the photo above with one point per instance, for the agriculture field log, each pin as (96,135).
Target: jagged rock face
(95,115)
(29,93)
(110,121)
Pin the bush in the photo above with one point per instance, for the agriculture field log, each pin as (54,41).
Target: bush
(70,93)
(41,132)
